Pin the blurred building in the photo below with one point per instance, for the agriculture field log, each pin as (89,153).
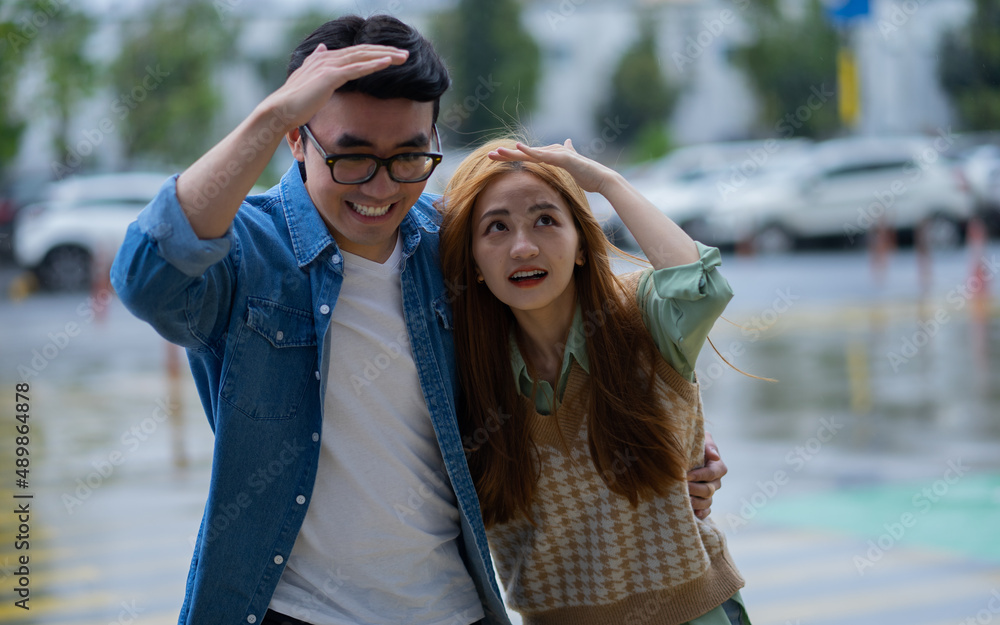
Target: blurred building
(896,49)
(582,42)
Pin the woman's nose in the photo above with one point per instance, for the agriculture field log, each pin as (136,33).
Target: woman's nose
(524,246)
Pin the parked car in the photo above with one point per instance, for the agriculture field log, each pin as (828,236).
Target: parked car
(17,190)
(981,167)
(79,220)
(690,181)
(8,210)
(843,187)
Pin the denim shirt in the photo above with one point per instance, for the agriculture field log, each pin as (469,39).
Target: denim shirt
(252,309)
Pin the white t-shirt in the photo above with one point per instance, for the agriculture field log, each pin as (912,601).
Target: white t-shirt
(379,543)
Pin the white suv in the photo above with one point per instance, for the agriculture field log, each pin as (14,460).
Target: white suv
(81,219)
(842,188)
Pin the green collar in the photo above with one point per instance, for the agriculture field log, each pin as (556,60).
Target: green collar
(576,349)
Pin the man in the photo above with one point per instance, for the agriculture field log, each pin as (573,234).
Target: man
(318,331)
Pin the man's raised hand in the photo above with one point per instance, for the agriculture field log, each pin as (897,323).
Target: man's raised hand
(324,71)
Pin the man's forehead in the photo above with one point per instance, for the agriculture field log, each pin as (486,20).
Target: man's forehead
(364,121)
(360,111)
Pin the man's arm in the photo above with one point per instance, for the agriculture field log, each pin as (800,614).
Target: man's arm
(168,270)
(703,482)
(212,189)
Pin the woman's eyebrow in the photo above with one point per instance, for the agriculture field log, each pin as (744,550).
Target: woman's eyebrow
(541,206)
(534,208)
(495,212)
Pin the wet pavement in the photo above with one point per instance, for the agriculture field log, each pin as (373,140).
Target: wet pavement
(864,484)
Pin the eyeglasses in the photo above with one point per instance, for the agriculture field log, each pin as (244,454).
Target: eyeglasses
(360,168)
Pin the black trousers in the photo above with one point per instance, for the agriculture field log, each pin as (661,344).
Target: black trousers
(277,618)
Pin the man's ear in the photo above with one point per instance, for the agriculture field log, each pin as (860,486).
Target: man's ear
(297,145)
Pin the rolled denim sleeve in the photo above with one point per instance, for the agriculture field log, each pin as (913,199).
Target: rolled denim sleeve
(167,276)
(681,304)
(165,223)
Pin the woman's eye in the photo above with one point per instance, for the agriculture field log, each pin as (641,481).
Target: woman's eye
(546,220)
(496,226)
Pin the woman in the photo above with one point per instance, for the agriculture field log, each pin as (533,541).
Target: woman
(579,407)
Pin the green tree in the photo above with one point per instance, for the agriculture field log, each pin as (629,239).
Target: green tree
(641,99)
(11,124)
(494,65)
(166,96)
(793,59)
(70,75)
(969,68)
(52,37)
(272,68)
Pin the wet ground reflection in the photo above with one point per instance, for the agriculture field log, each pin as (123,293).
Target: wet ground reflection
(882,383)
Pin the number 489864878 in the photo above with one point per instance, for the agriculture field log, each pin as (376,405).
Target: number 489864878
(22,413)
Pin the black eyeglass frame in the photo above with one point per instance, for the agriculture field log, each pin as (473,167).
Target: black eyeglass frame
(331,159)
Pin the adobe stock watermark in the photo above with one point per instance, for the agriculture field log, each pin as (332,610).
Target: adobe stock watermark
(751,332)
(122,106)
(740,173)
(610,131)
(59,340)
(923,500)
(30,25)
(460,111)
(593,320)
(224,7)
(874,212)
(494,421)
(436,483)
(566,9)
(375,366)
(986,615)
(130,441)
(956,299)
(320,594)
(712,29)
(899,15)
(258,481)
(128,614)
(795,459)
(819,96)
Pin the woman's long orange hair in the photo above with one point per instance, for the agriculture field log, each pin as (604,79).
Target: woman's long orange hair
(625,420)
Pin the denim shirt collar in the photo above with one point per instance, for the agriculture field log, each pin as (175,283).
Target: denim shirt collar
(310,235)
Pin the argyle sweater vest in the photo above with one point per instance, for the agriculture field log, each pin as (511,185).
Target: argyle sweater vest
(591,557)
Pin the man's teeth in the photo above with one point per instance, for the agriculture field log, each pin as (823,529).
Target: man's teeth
(371,211)
(519,275)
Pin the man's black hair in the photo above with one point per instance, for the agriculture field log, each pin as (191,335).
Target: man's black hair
(423,77)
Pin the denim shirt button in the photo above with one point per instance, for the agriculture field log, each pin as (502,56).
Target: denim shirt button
(252,619)
(317,377)
(301,499)
(278,559)
(324,309)
(315,437)
(279,335)
(335,259)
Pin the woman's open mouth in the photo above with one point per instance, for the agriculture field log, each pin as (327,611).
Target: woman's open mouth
(528,278)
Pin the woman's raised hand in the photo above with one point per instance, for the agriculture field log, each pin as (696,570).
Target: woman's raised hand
(661,240)
(589,174)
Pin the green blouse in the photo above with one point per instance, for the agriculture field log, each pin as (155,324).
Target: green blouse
(680,305)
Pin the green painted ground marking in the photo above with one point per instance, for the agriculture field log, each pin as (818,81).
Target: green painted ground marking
(954,513)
